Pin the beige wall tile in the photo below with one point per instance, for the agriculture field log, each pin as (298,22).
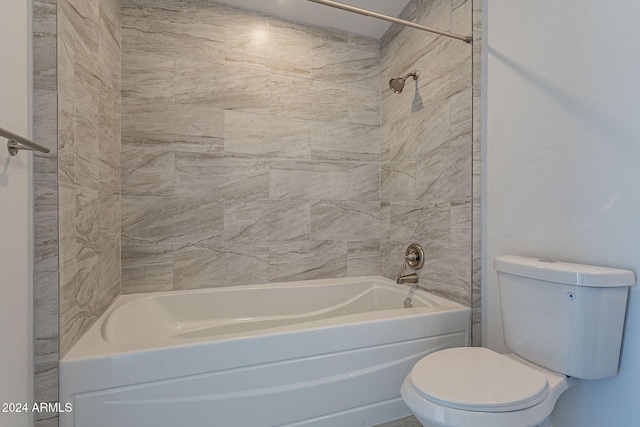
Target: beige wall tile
(222,264)
(307,260)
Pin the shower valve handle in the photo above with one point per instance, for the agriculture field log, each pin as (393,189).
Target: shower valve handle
(414,256)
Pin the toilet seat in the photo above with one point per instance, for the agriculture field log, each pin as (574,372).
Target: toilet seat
(477,379)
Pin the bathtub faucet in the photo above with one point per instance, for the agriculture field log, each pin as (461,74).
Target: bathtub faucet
(407,278)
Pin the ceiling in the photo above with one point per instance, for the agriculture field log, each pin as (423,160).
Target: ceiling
(325,16)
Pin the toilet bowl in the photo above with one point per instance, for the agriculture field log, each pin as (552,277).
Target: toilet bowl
(474,386)
(562,321)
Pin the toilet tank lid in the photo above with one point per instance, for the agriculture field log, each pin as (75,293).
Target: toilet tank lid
(564,272)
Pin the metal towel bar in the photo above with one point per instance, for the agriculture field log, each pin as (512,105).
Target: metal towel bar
(16,143)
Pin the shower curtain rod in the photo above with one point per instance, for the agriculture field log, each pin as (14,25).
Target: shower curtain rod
(373,14)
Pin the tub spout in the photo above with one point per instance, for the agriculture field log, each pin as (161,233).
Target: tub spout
(407,278)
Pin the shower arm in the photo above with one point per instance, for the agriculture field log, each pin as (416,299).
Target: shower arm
(366,12)
(414,74)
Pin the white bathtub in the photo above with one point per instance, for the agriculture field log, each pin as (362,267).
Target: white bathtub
(314,353)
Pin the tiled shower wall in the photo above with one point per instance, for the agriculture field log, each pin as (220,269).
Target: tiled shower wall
(77,223)
(427,155)
(45,216)
(250,148)
(88,162)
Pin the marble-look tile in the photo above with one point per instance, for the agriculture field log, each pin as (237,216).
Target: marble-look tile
(109,56)
(364,182)
(46,230)
(279,50)
(46,349)
(364,105)
(90,234)
(149,220)
(220,85)
(45,216)
(222,177)
(330,34)
(445,174)
(449,272)
(398,182)
(45,305)
(44,55)
(147,268)
(308,99)
(46,390)
(345,220)
(45,124)
(476,301)
(66,54)
(197,128)
(265,135)
(308,180)
(81,23)
(108,156)
(476,220)
(44,17)
(86,110)
(87,146)
(385,221)
(344,62)
(46,419)
(87,289)
(147,170)
(66,140)
(307,260)
(264,221)
(223,264)
(461,17)
(110,266)
(363,258)
(415,136)
(235,15)
(461,117)
(45,168)
(476,280)
(174,30)
(289,51)
(449,74)
(426,186)
(345,141)
(461,220)
(364,43)
(425,223)
(147,76)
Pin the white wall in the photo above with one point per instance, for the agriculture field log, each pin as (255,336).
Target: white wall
(562,163)
(15,217)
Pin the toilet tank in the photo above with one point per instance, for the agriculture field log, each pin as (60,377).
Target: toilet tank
(565,317)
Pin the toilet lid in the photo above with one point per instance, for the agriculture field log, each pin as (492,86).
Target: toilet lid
(478,379)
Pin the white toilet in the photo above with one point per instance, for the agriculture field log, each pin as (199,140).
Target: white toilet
(562,321)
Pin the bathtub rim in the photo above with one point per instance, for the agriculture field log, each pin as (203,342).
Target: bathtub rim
(92,344)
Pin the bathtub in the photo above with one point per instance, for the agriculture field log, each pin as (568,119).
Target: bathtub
(312,353)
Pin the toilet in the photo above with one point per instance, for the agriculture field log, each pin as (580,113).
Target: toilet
(562,321)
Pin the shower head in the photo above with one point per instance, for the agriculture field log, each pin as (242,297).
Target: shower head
(396,85)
